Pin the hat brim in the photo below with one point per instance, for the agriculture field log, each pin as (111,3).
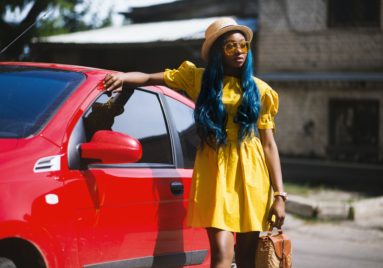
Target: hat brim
(209,42)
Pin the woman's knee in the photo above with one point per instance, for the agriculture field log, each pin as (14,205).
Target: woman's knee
(221,245)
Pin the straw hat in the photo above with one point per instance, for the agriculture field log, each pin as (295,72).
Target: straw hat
(220,27)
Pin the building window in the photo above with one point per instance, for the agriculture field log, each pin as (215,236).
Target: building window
(354,130)
(354,13)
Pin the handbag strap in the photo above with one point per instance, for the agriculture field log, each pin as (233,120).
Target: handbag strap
(281,243)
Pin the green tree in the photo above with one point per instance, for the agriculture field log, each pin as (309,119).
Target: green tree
(68,20)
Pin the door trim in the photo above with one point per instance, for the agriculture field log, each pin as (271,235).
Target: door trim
(167,260)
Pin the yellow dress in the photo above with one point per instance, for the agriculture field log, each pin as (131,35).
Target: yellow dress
(231,189)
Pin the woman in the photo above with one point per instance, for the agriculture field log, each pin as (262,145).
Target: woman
(235,172)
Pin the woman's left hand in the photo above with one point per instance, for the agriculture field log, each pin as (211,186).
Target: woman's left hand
(278,211)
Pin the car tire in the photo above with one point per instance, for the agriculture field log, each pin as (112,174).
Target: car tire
(6,263)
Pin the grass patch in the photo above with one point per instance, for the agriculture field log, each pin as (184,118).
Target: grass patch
(302,189)
(320,192)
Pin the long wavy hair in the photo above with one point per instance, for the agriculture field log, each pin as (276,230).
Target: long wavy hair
(210,114)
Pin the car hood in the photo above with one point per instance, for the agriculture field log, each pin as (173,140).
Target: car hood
(8,145)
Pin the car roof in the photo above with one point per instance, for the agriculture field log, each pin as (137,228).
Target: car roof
(66,67)
(92,71)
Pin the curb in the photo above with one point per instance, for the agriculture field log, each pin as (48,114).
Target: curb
(327,210)
(301,206)
(371,207)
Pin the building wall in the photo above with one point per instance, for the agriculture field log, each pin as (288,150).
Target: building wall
(303,121)
(294,36)
(151,57)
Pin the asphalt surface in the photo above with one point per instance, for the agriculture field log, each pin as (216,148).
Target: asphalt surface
(335,228)
(340,244)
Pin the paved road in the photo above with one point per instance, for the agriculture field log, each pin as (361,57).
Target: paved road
(335,245)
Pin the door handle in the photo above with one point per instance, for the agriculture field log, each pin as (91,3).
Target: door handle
(177,188)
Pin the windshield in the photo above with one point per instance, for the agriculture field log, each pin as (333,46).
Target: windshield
(30,96)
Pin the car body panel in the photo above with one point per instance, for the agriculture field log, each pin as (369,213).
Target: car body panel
(98,214)
(119,208)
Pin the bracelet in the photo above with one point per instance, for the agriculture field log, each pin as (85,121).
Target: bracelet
(282,194)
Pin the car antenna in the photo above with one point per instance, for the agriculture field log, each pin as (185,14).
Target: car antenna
(26,30)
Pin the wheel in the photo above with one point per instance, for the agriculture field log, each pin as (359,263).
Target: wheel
(6,263)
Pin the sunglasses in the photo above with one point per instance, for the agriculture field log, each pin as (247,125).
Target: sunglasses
(230,48)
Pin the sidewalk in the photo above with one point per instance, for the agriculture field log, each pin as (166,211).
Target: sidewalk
(338,205)
(335,241)
(360,200)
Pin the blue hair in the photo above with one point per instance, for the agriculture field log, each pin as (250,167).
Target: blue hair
(248,110)
(210,114)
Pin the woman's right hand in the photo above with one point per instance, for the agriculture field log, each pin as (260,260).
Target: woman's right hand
(113,82)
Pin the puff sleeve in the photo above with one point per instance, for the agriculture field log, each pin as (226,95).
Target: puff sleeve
(186,78)
(269,108)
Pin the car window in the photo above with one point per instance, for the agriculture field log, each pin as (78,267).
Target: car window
(137,113)
(185,126)
(30,96)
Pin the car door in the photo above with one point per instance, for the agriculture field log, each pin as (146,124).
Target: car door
(187,141)
(137,217)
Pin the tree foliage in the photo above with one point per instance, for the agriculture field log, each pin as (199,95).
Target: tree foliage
(69,19)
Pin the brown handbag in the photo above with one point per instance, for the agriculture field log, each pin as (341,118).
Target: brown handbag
(273,251)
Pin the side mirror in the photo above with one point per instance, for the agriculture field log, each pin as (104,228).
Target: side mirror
(108,147)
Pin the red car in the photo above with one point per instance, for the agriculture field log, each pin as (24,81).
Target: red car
(90,179)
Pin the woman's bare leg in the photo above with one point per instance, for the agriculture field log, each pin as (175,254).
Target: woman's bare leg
(221,247)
